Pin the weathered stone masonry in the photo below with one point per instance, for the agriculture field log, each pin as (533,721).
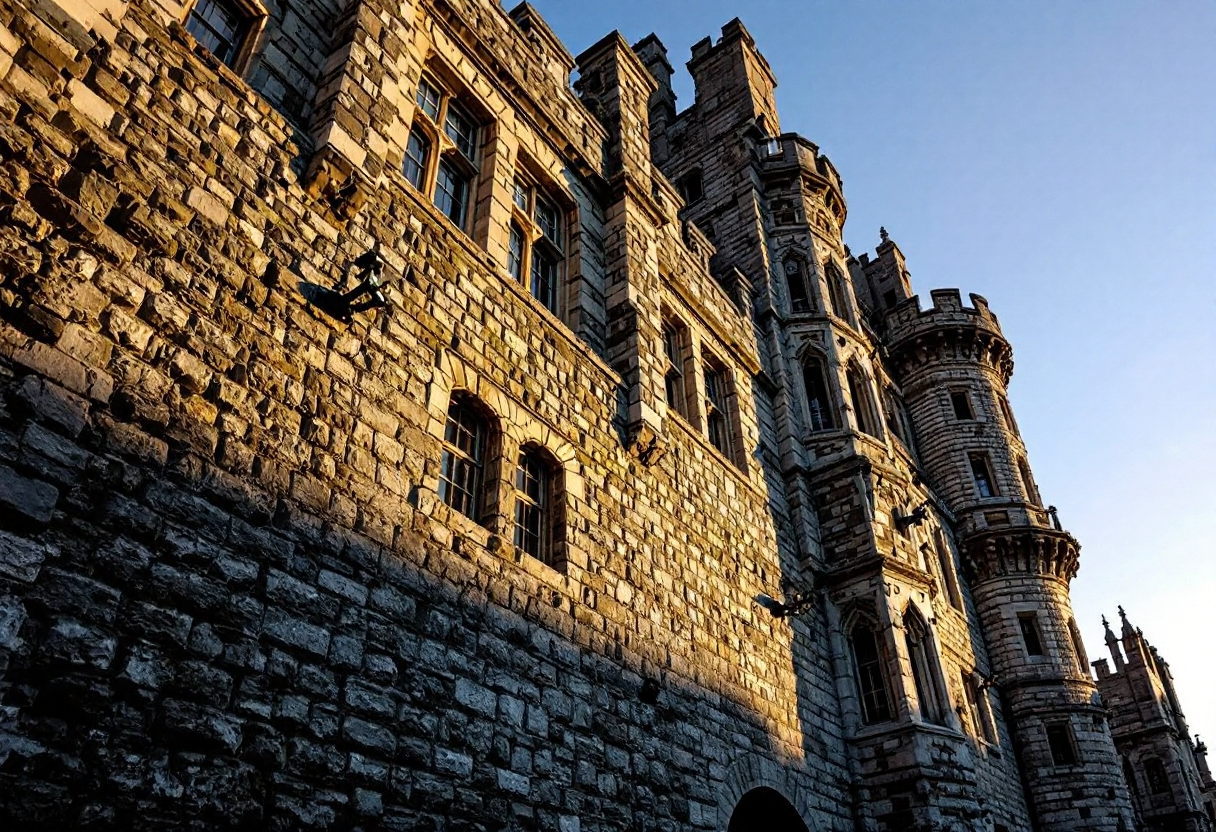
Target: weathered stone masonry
(235,590)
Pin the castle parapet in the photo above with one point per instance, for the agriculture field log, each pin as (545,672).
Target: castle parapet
(947,331)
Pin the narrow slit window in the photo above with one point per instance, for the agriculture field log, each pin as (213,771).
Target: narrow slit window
(674,379)
(1028,622)
(795,279)
(819,404)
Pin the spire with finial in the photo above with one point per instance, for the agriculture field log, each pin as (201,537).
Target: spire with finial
(882,232)
(1128,630)
(1112,643)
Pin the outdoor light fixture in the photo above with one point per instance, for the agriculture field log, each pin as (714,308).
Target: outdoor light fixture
(985,681)
(344,306)
(919,514)
(797,605)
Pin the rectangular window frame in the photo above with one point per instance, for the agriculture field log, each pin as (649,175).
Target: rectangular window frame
(253,16)
(541,221)
(1032,634)
(452,165)
(981,475)
(1062,744)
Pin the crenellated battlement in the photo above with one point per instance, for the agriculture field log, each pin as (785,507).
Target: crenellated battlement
(947,309)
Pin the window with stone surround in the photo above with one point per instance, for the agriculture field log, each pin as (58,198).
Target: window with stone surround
(796,285)
(226,28)
(1028,623)
(536,242)
(1154,775)
(981,473)
(960,403)
(441,154)
(691,186)
(1078,646)
(818,397)
(979,715)
(1062,744)
(538,503)
(862,399)
(838,293)
(926,677)
(463,475)
(1032,490)
(870,671)
(1007,412)
(945,560)
(675,340)
(721,422)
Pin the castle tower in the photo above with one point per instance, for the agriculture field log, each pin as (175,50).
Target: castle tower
(954,364)
(1166,770)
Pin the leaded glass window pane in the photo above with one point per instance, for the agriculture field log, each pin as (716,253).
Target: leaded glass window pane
(416,152)
(544,278)
(515,253)
(461,130)
(531,506)
(451,192)
(549,220)
(871,678)
(463,458)
(428,99)
(217,26)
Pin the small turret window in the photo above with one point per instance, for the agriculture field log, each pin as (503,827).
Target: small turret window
(1029,624)
(960,400)
(1063,746)
(1154,773)
(981,471)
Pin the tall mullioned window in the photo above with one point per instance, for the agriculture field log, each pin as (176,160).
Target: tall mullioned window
(862,397)
(717,413)
(536,243)
(795,281)
(674,380)
(462,466)
(870,673)
(534,506)
(818,400)
(447,177)
(924,667)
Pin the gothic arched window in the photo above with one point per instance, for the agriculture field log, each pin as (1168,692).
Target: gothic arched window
(870,671)
(818,399)
(462,469)
(923,658)
(862,400)
(795,281)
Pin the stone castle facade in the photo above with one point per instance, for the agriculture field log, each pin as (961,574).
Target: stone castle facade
(394,435)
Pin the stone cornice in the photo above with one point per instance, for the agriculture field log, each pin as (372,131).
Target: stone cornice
(951,341)
(1021,552)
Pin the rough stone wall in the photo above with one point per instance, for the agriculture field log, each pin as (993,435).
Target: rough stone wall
(231,593)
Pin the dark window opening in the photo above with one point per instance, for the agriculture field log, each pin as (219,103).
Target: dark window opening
(924,676)
(717,415)
(888,298)
(535,247)
(1154,774)
(871,675)
(982,474)
(537,508)
(1032,490)
(863,409)
(819,404)
(961,402)
(1060,741)
(1029,624)
(691,186)
(795,279)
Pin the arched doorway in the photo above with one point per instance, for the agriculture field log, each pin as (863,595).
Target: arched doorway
(765,810)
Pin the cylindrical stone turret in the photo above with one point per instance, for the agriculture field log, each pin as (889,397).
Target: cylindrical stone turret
(953,365)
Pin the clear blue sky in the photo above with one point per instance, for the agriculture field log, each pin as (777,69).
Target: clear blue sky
(1058,158)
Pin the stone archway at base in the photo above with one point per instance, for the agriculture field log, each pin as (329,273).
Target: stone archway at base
(765,810)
